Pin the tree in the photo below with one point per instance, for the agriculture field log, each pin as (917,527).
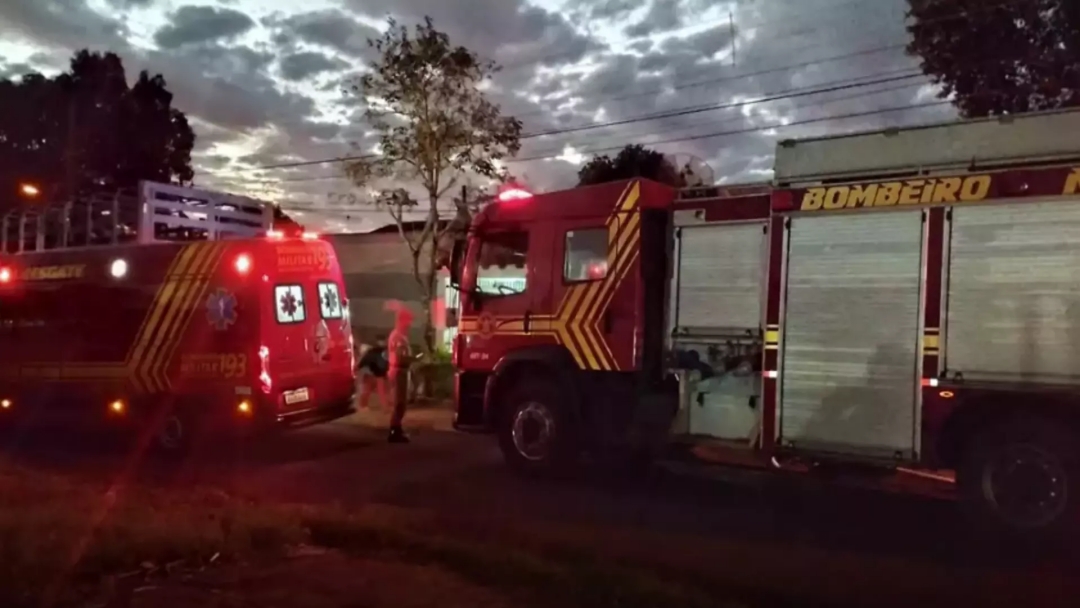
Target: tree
(632,161)
(87,129)
(1002,57)
(437,132)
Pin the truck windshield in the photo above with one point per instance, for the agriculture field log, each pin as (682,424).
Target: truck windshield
(502,264)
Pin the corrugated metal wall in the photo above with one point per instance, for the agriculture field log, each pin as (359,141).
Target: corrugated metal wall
(377,268)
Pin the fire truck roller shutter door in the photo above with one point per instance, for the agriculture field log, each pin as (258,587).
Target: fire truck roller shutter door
(720,276)
(849,367)
(1014,292)
(718,305)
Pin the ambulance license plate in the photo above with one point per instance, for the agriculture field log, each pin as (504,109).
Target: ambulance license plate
(299,395)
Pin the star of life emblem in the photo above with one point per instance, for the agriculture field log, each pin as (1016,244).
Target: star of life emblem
(221,309)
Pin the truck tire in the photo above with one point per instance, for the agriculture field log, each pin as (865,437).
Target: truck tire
(537,434)
(1021,479)
(173,433)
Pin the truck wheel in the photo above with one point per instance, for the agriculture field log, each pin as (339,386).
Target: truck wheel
(536,433)
(173,433)
(1022,479)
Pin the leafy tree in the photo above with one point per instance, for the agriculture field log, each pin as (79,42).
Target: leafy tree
(87,129)
(1001,57)
(437,132)
(632,161)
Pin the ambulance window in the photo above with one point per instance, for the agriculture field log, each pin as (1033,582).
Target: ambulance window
(586,254)
(289,303)
(502,268)
(330,301)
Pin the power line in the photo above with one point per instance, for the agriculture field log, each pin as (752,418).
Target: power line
(759,24)
(732,78)
(741,76)
(801,65)
(644,134)
(624,138)
(870,51)
(743,131)
(789,20)
(840,85)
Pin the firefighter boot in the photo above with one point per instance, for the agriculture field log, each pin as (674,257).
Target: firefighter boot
(397,435)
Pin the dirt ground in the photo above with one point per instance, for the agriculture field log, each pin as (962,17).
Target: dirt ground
(317,579)
(754,542)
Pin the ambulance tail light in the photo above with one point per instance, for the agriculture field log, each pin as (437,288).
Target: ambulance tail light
(265,380)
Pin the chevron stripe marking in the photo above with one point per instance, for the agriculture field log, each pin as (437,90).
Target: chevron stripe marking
(588,321)
(187,311)
(182,284)
(591,317)
(153,318)
(155,305)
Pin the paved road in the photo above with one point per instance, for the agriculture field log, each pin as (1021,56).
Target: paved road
(760,533)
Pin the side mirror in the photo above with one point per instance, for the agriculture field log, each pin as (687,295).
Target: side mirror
(457,262)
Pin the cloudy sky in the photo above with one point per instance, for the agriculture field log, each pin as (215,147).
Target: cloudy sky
(262,80)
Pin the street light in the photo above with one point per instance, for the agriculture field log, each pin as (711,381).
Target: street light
(29,190)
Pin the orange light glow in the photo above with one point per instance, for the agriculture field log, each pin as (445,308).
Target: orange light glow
(244,407)
(5,275)
(117,407)
(946,394)
(243,263)
(5,404)
(29,190)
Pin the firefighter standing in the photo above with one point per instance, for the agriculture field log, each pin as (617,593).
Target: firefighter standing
(400,358)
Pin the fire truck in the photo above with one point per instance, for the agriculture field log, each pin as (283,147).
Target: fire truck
(898,299)
(172,311)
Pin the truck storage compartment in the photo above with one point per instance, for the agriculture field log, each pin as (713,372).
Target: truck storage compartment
(1014,292)
(717,307)
(849,371)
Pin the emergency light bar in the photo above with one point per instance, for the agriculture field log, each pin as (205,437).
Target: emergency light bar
(514,193)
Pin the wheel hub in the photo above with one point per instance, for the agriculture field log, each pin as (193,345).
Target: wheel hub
(1027,486)
(172,432)
(533,430)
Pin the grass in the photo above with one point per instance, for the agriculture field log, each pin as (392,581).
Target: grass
(61,539)
(577,582)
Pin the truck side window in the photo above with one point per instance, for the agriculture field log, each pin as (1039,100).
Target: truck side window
(330,305)
(289,303)
(585,255)
(501,265)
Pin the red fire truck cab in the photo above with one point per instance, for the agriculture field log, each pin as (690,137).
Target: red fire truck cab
(906,298)
(173,307)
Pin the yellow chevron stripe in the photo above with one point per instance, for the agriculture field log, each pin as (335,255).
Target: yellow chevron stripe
(185,283)
(155,305)
(622,268)
(574,326)
(168,290)
(592,314)
(579,327)
(187,311)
